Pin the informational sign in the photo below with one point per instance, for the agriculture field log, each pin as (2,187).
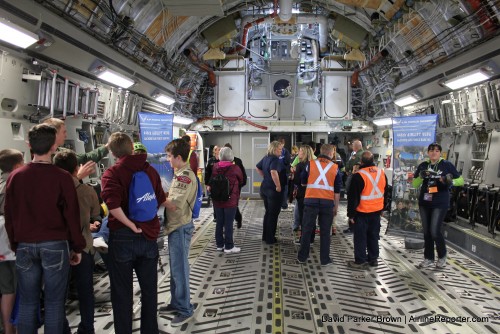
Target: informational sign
(412,136)
(156,132)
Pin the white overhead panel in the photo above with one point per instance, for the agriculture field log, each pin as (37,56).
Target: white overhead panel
(194,7)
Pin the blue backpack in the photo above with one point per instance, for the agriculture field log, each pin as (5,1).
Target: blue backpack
(197,202)
(142,203)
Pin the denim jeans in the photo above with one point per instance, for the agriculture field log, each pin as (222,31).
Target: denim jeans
(366,235)
(178,250)
(46,262)
(224,227)
(272,204)
(325,221)
(84,273)
(129,251)
(432,224)
(103,231)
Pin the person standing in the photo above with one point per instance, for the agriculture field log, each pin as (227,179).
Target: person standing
(193,156)
(285,173)
(305,155)
(321,201)
(357,151)
(237,161)
(10,160)
(179,229)
(43,223)
(270,190)
(435,176)
(132,244)
(89,222)
(365,202)
(209,168)
(226,210)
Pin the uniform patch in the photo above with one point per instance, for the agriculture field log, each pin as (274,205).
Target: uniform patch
(184,179)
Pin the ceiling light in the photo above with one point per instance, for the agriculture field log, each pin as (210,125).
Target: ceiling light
(16,35)
(467,79)
(382,121)
(406,100)
(103,72)
(182,120)
(162,98)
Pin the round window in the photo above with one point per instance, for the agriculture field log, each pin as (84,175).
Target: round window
(282,88)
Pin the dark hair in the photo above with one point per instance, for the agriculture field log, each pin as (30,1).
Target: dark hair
(228,145)
(178,147)
(120,144)
(433,146)
(186,138)
(41,138)
(366,158)
(9,158)
(66,160)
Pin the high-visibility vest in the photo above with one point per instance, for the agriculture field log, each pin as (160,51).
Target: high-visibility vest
(372,196)
(321,179)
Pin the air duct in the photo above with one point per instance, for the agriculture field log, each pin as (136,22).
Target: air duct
(355,77)
(285,10)
(202,66)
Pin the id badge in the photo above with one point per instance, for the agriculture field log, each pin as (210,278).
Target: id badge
(427,197)
(433,189)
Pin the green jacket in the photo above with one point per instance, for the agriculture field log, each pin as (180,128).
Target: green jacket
(94,155)
(354,160)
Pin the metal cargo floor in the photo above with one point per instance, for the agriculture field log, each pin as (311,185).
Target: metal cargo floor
(263,289)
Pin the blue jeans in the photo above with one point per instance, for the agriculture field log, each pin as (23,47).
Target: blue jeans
(284,192)
(366,235)
(103,231)
(432,225)
(46,262)
(178,251)
(272,204)
(325,221)
(84,273)
(224,227)
(129,251)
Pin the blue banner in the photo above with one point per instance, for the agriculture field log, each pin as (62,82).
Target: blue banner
(414,131)
(156,132)
(412,135)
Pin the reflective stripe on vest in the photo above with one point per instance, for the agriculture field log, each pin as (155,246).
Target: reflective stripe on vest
(372,196)
(317,183)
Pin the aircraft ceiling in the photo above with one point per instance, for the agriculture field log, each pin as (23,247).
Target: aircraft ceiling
(386,42)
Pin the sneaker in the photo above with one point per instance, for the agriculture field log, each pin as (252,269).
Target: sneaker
(182,319)
(426,263)
(354,265)
(301,262)
(100,245)
(329,263)
(232,250)
(373,263)
(441,263)
(347,231)
(167,309)
(297,241)
(220,249)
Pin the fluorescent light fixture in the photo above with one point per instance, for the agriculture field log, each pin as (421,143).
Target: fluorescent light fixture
(406,100)
(182,120)
(115,78)
(162,98)
(446,102)
(467,79)
(13,34)
(382,121)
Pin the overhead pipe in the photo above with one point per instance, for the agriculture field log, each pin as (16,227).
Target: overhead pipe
(379,56)
(202,66)
(285,10)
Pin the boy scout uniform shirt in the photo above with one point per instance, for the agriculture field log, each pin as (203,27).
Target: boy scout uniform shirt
(182,193)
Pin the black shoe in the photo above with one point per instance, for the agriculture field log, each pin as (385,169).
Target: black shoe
(301,262)
(329,263)
(354,265)
(167,309)
(373,263)
(347,231)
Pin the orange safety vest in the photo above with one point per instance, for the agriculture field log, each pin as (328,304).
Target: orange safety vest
(372,196)
(321,179)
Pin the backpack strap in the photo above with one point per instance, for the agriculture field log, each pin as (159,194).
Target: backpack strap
(195,194)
